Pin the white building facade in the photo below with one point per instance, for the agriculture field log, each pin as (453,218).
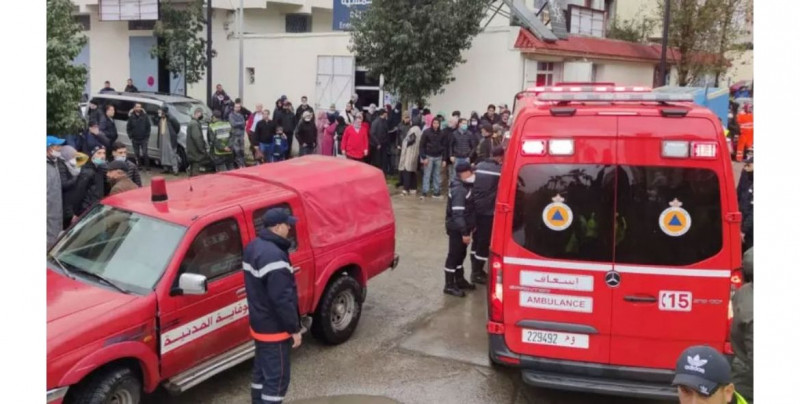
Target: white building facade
(290,48)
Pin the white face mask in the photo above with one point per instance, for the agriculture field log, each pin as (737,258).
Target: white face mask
(470,179)
(55,153)
(119,158)
(73,162)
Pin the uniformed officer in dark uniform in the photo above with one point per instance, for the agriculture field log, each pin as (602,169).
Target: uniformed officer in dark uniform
(272,301)
(460,223)
(742,331)
(487,176)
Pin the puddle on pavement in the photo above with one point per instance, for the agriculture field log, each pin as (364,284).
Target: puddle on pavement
(350,399)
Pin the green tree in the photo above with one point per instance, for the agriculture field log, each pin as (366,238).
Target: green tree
(633,30)
(701,30)
(415,44)
(181,43)
(65,81)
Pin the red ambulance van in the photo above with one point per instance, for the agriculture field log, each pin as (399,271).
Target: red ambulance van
(616,239)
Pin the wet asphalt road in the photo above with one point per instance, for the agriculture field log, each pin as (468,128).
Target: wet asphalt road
(413,344)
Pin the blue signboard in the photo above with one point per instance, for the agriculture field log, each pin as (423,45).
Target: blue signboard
(342,10)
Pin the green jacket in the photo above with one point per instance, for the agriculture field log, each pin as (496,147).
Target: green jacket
(219,133)
(195,145)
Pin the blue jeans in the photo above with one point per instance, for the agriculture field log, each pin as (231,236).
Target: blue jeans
(434,166)
(266,150)
(306,150)
(459,160)
(271,372)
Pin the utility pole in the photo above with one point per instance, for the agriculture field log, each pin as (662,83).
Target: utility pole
(241,50)
(662,80)
(209,91)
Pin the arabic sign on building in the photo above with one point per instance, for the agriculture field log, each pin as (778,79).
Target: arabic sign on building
(343,9)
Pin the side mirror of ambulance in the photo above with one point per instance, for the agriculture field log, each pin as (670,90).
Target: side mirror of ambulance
(191,284)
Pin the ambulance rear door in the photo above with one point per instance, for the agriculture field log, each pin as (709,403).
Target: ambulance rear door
(672,254)
(559,248)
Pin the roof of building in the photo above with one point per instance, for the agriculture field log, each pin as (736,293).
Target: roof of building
(586,46)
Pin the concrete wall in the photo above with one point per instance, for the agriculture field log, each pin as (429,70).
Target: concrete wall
(625,73)
(492,74)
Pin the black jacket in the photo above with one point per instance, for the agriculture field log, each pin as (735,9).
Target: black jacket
(485,118)
(218,101)
(460,217)
(288,122)
(138,126)
(487,176)
(133,173)
(462,144)
(68,183)
(745,196)
(432,143)
(131,89)
(90,187)
(270,285)
(109,128)
(379,132)
(265,130)
(307,133)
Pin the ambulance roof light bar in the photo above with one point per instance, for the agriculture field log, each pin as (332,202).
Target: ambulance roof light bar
(581,88)
(615,97)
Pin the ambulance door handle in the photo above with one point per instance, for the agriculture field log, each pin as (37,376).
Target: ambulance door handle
(640,299)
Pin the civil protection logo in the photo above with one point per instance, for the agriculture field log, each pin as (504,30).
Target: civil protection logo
(557,215)
(675,221)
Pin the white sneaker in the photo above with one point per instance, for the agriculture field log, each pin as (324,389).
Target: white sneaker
(404,193)
(413,192)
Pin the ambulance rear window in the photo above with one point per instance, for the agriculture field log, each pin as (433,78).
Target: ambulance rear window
(667,215)
(565,211)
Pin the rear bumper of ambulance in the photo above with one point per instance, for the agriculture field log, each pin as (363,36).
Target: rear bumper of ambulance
(584,376)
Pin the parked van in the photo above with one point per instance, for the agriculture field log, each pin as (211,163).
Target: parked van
(616,241)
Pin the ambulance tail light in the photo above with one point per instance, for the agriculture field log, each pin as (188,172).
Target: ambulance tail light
(704,150)
(562,147)
(534,147)
(495,290)
(158,189)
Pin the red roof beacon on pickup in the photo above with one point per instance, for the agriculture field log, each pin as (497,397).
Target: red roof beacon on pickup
(616,239)
(147,288)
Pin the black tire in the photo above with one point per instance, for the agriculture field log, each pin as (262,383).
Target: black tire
(331,325)
(183,161)
(102,387)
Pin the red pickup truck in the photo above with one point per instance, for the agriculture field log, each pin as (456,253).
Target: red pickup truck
(147,288)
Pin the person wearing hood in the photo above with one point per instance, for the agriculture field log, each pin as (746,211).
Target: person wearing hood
(460,224)
(322,123)
(195,144)
(55,214)
(117,175)
(107,125)
(168,129)
(462,145)
(409,154)
(349,114)
(298,115)
(307,134)
(138,130)
(219,99)
(379,141)
(328,143)
(355,141)
(119,152)
(68,170)
(431,150)
(90,187)
(475,125)
(370,115)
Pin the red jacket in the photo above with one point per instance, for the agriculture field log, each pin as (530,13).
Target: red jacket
(355,144)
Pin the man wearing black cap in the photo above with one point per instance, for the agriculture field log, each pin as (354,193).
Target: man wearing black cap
(487,176)
(742,331)
(272,301)
(703,376)
(459,222)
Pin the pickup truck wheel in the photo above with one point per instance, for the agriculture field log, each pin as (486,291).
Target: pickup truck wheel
(338,312)
(115,386)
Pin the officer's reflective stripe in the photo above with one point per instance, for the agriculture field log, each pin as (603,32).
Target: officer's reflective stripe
(458,208)
(266,268)
(271,398)
(274,337)
(739,398)
(487,172)
(256,386)
(629,269)
(449,270)
(478,257)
